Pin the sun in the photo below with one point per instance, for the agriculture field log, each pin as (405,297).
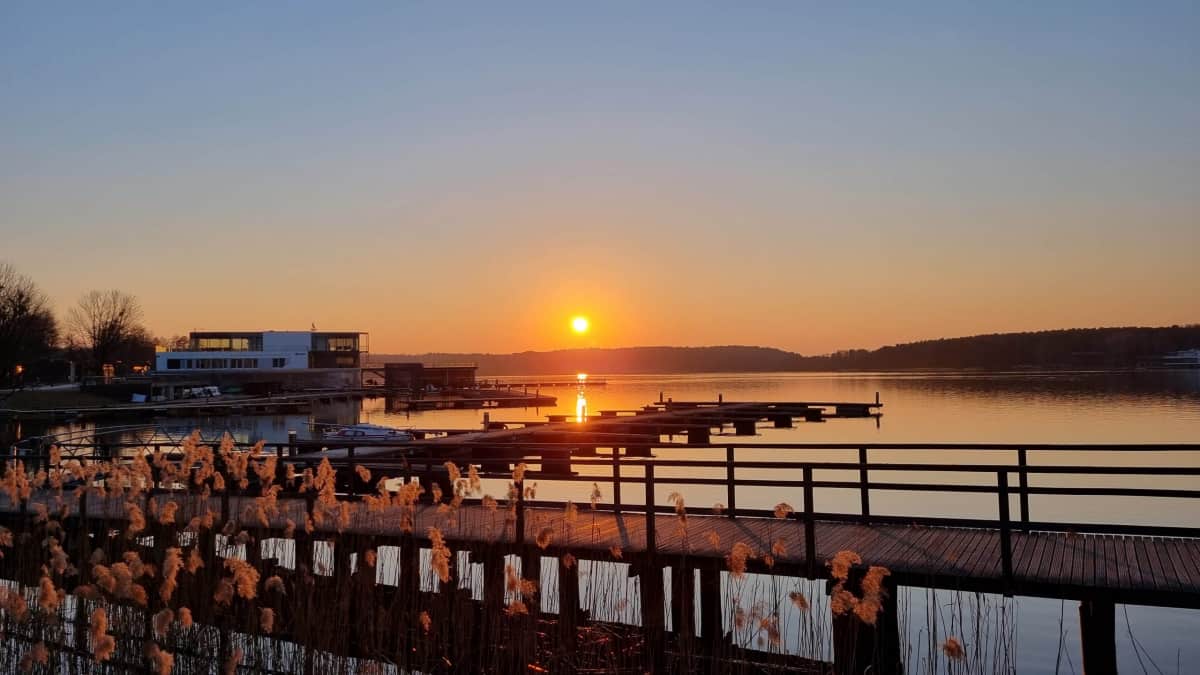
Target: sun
(580,324)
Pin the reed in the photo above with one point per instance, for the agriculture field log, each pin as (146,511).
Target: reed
(204,556)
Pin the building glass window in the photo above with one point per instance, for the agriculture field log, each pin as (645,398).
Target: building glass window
(278,362)
(173,364)
(325,343)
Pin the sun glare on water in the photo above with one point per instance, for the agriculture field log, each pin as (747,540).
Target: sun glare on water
(580,324)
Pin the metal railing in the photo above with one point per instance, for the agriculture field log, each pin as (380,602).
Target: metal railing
(642,464)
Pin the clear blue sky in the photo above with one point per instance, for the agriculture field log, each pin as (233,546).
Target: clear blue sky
(466,177)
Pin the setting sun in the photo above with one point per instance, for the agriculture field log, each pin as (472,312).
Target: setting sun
(580,324)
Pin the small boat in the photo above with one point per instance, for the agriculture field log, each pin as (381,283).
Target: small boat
(368,432)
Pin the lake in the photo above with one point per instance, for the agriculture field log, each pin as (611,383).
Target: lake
(1059,407)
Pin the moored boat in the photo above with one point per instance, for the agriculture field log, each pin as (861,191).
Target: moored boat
(368,432)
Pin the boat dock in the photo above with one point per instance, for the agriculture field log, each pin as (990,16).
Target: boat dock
(286,404)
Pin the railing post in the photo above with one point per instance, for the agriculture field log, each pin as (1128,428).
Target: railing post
(291,443)
(1023,481)
(863,481)
(810,533)
(1005,527)
(650,538)
(730,482)
(616,472)
(519,526)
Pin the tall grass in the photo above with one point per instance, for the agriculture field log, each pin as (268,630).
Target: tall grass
(207,560)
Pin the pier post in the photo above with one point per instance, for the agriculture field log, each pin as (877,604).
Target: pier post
(863,482)
(683,610)
(616,478)
(1005,528)
(519,524)
(568,603)
(860,648)
(1023,482)
(650,584)
(651,543)
(712,628)
(730,482)
(1097,637)
(810,525)
(745,427)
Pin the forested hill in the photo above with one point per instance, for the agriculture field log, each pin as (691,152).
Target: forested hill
(1072,348)
(622,360)
(1078,347)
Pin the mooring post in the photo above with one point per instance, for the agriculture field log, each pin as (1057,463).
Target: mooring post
(1097,636)
(292,443)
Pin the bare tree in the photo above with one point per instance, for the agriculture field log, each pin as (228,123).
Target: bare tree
(27,327)
(173,343)
(105,323)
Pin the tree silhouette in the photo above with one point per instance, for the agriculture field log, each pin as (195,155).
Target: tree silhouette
(106,324)
(28,330)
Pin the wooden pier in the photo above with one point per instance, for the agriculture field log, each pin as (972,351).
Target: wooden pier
(288,404)
(639,521)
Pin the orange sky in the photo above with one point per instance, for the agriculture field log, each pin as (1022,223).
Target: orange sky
(764,176)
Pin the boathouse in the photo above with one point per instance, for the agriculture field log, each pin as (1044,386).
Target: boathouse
(261,362)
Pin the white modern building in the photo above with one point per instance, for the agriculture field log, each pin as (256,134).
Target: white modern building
(264,350)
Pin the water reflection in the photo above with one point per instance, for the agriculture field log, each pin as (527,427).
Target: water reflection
(581,399)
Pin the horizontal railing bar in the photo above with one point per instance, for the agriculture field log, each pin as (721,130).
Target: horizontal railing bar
(474,443)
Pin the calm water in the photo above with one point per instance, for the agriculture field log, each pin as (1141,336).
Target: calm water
(1152,407)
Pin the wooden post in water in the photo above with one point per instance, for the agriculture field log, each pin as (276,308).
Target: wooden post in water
(568,603)
(712,629)
(651,587)
(1097,637)
(860,648)
(683,605)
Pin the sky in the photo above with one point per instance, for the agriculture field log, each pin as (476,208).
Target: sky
(468,177)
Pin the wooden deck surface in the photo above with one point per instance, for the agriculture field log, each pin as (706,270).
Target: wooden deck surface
(1054,564)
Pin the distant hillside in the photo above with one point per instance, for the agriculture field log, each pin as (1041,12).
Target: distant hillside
(1071,348)
(617,361)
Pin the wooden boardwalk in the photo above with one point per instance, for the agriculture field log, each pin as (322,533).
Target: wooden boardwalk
(1162,571)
